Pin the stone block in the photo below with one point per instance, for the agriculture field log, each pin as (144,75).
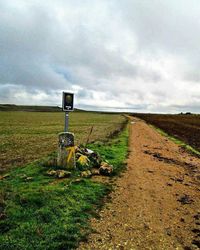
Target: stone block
(66,150)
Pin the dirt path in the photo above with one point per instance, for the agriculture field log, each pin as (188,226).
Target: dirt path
(156,202)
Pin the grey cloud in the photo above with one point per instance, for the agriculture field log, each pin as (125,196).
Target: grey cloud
(169,24)
(194,108)
(165,26)
(131,50)
(84,93)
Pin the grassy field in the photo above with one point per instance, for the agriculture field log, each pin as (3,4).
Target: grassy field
(39,212)
(183,127)
(27,136)
(12,107)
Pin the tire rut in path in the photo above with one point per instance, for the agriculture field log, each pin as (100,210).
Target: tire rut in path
(156,202)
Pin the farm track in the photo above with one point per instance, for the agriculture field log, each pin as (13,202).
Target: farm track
(156,201)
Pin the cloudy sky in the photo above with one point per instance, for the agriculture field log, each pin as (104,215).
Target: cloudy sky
(136,55)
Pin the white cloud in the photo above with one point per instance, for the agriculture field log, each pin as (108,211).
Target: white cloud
(134,54)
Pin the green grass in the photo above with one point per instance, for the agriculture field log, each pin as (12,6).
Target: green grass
(177,141)
(28,136)
(43,213)
(115,151)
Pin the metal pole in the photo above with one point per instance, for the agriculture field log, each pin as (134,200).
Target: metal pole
(66,121)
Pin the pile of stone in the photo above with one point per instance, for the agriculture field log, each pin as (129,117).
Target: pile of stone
(90,163)
(59,173)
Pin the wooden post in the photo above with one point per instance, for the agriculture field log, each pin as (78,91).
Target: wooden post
(66,150)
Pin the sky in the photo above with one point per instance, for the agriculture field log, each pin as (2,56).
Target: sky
(128,55)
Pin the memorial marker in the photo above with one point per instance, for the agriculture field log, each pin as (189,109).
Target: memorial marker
(66,150)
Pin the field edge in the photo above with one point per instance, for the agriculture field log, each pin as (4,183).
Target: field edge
(176,140)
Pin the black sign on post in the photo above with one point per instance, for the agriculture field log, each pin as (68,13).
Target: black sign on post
(68,102)
(66,150)
(67,105)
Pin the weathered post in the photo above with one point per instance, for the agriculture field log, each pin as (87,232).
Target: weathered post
(66,150)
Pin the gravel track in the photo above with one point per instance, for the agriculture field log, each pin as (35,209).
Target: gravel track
(156,201)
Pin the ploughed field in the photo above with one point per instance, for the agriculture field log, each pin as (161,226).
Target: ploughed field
(27,136)
(184,127)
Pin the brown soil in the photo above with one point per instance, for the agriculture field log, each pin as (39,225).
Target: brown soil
(156,202)
(184,127)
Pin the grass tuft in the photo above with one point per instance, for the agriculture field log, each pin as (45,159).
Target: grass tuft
(40,212)
(114,151)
